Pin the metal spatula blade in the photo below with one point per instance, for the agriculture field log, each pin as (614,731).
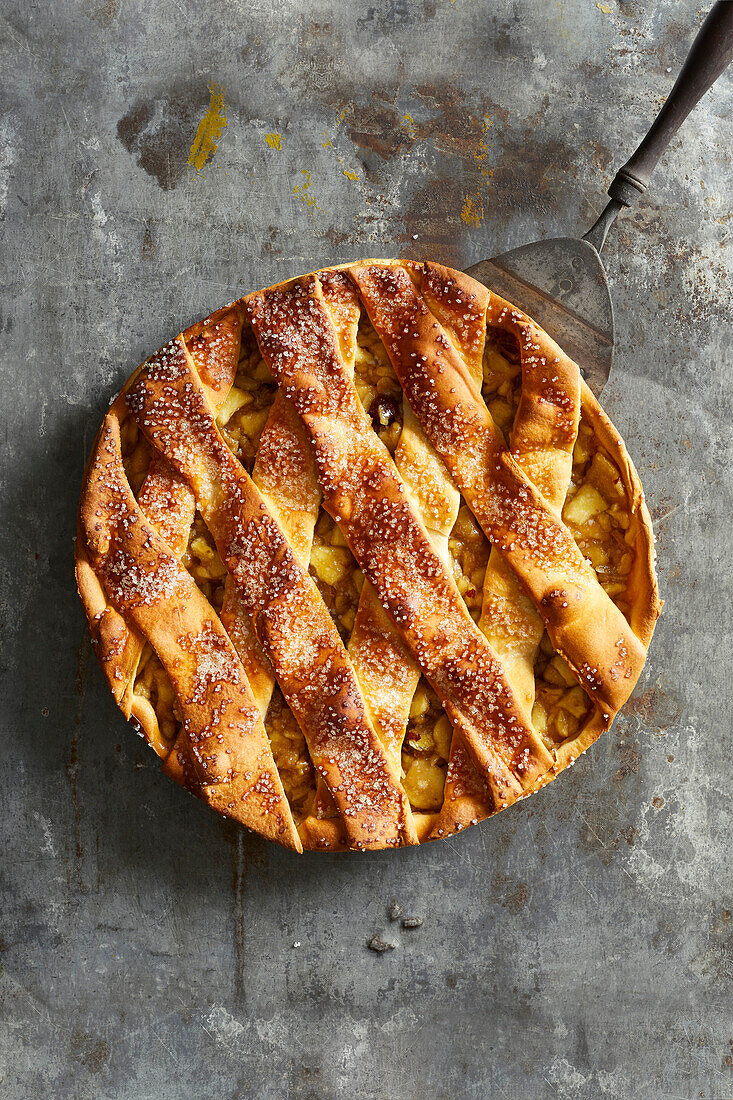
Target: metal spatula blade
(562,285)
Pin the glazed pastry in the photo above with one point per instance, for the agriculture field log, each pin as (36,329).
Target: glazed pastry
(364,559)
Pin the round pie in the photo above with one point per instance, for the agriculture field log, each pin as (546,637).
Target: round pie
(364,559)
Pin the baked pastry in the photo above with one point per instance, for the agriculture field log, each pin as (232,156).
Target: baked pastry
(364,559)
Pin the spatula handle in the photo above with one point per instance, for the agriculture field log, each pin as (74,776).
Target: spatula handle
(711,53)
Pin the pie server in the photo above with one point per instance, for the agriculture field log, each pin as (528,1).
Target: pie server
(562,283)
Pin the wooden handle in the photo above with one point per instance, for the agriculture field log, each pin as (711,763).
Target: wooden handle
(710,54)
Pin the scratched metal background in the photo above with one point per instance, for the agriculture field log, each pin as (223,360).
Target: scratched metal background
(581,945)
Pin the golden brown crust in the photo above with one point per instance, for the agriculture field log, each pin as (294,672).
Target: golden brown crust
(169,504)
(543,436)
(387,674)
(584,624)
(397,527)
(364,493)
(116,646)
(291,622)
(327,834)
(255,661)
(459,303)
(285,474)
(647,604)
(228,750)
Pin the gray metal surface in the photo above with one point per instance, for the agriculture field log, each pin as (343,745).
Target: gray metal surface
(579,945)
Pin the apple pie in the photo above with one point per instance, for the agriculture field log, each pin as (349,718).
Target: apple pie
(363,558)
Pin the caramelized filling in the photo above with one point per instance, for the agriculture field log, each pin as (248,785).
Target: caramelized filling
(338,577)
(152,684)
(376,383)
(204,564)
(291,754)
(136,454)
(244,414)
(502,385)
(426,749)
(561,707)
(596,512)
(469,550)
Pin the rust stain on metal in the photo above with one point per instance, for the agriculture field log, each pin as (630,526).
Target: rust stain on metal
(91,1051)
(159,132)
(630,761)
(513,892)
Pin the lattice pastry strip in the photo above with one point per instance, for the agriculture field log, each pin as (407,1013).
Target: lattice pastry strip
(366,496)
(168,503)
(285,470)
(291,621)
(387,673)
(231,754)
(584,624)
(284,473)
(396,509)
(543,436)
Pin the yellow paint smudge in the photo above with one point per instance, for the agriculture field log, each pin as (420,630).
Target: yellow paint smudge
(350,175)
(605,9)
(473,210)
(409,124)
(302,190)
(210,129)
(275,141)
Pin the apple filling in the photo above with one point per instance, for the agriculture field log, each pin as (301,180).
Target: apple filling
(426,749)
(136,454)
(561,707)
(376,383)
(291,754)
(469,550)
(596,511)
(336,574)
(204,564)
(153,686)
(502,384)
(244,413)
